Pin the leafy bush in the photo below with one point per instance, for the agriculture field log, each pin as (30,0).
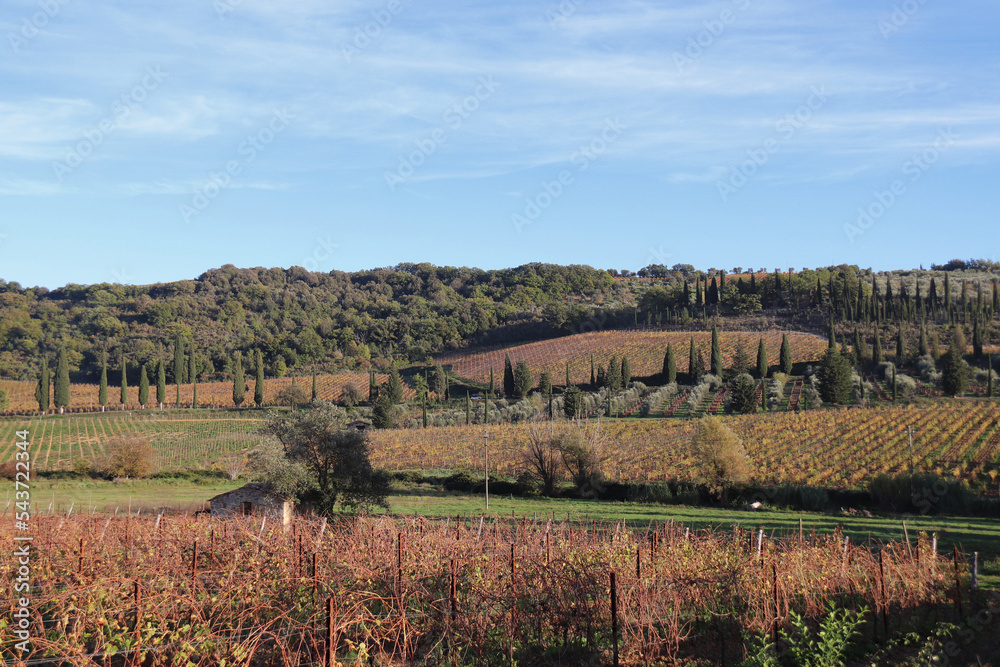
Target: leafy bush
(126,456)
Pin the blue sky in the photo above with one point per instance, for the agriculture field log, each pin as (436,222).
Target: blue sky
(150,141)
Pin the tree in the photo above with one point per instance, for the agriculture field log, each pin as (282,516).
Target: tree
(545,383)
(143,387)
(393,387)
(785,355)
(900,345)
(258,386)
(522,379)
(4,401)
(239,383)
(62,381)
(922,347)
(337,460)
(541,456)
(716,352)
(161,383)
(292,395)
(440,381)
(834,377)
(977,339)
(572,400)
(313,393)
(350,395)
(831,337)
(180,366)
(42,389)
(743,394)
(593,378)
(741,358)
(954,370)
(508,377)
(762,365)
(102,389)
(468,409)
(581,449)
(613,376)
(123,384)
(694,373)
(384,411)
(669,365)
(626,374)
(372,387)
(722,461)
(877,348)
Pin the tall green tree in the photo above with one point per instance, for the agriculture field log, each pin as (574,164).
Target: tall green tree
(545,383)
(258,387)
(716,352)
(877,348)
(102,389)
(669,365)
(143,386)
(193,376)
(834,377)
(468,409)
(313,393)
(743,394)
(593,377)
(694,373)
(741,359)
(762,364)
(786,355)
(61,397)
(954,370)
(923,348)
(977,339)
(522,379)
(394,386)
(508,377)
(239,382)
(900,345)
(372,387)
(180,364)
(832,337)
(439,381)
(161,383)
(626,372)
(613,376)
(123,395)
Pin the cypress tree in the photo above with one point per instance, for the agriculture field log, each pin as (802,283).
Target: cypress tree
(61,397)
(977,339)
(522,379)
(567,375)
(102,390)
(834,377)
(593,378)
(877,348)
(468,409)
(602,376)
(123,395)
(545,383)
(508,377)
(713,293)
(394,386)
(670,365)
(900,345)
(423,409)
(699,366)
(947,293)
(831,337)
(492,386)
(44,383)
(762,364)
(895,386)
(753,283)
(193,376)
(626,372)
(161,383)
(716,353)
(923,349)
(314,386)
(954,370)
(258,388)
(785,355)
(180,367)
(614,375)
(372,387)
(143,386)
(693,377)
(239,383)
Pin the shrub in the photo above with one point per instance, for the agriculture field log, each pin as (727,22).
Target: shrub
(126,456)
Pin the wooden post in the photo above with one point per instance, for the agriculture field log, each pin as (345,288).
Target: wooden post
(885,597)
(194,563)
(614,617)
(80,570)
(638,563)
(975,571)
(774,585)
(399,564)
(454,592)
(330,647)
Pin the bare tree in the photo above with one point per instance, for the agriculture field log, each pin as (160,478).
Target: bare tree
(581,447)
(542,456)
(721,458)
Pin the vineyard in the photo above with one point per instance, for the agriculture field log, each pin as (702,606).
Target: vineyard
(833,448)
(487,591)
(83,397)
(181,441)
(644,349)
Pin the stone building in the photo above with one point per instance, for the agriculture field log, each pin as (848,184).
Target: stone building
(253,499)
